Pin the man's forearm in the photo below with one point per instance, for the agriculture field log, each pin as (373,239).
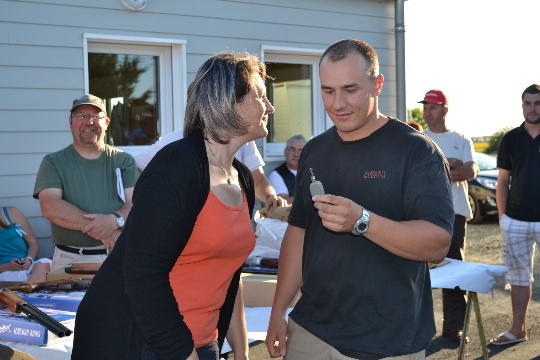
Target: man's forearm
(465,172)
(126,208)
(290,269)
(263,189)
(501,194)
(64,214)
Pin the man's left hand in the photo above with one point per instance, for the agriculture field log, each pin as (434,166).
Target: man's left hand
(275,201)
(101,226)
(337,213)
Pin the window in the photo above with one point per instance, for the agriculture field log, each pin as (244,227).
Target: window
(136,79)
(294,90)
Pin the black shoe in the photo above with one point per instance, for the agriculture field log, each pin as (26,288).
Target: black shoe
(455,336)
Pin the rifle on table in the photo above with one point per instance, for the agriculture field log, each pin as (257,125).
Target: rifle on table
(61,284)
(15,304)
(82,268)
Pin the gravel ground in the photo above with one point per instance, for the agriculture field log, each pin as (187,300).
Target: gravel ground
(483,245)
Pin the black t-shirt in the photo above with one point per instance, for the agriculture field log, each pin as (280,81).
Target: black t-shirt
(520,154)
(357,296)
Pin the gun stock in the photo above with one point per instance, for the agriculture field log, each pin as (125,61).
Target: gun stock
(83,268)
(31,286)
(15,304)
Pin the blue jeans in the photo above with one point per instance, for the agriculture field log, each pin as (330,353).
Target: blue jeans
(207,352)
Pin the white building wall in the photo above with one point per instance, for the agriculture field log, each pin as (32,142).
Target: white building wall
(42,61)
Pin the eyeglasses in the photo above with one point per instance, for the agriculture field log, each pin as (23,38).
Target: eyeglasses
(84,117)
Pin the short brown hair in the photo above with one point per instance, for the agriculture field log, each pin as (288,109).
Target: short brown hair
(221,82)
(342,48)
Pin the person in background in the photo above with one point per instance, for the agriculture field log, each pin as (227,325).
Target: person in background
(415,125)
(386,212)
(283,177)
(459,151)
(171,287)
(518,202)
(85,189)
(19,249)
(248,154)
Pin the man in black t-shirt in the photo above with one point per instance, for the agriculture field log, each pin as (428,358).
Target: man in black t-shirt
(518,199)
(366,291)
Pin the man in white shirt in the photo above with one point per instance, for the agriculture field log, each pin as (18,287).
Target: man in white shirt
(459,152)
(283,177)
(248,154)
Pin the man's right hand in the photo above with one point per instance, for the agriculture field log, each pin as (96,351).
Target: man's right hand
(276,336)
(274,201)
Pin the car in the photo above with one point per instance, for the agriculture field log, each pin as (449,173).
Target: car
(482,189)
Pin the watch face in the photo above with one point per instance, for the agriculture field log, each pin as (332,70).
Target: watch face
(362,227)
(120,222)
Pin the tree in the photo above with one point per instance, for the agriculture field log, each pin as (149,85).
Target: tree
(495,140)
(417,115)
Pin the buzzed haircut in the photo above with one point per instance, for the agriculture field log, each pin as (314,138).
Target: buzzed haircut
(532,89)
(342,48)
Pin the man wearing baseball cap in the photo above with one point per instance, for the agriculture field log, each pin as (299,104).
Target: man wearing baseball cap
(85,189)
(459,152)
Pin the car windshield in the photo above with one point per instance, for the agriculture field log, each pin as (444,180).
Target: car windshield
(486,162)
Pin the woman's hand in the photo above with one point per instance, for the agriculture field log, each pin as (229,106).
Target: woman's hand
(17,264)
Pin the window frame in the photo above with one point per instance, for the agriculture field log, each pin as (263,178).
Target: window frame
(172,74)
(289,55)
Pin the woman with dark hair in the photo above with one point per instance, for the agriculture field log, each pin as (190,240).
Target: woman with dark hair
(171,287)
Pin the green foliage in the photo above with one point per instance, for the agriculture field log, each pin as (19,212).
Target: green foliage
(495,140)
(417,115)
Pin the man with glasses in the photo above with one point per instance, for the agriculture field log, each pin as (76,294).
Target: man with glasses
(284,176)
(85,189)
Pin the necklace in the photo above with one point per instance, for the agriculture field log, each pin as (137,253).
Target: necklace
(228,176)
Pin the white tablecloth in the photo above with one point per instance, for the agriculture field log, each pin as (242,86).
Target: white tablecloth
(468,276)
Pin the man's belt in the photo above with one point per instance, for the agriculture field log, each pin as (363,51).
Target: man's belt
(82,251)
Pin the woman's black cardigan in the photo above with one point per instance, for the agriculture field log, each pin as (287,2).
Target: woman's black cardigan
(130,298)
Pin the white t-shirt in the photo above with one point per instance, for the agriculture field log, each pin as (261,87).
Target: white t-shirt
(247,154)
(457,146)
(278,183)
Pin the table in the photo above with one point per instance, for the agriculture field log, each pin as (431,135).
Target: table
(471,277)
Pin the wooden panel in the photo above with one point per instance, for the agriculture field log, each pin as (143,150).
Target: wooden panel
(27,204)
(41,78)
(20,164)
(36,119)
(21,185)
(40,99)
(49,57)
(215,18)
(34,142)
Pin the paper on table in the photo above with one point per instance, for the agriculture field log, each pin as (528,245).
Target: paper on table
(468,276)
(120,185)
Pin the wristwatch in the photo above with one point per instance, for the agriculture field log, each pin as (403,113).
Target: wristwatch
(120,221)
(361,225)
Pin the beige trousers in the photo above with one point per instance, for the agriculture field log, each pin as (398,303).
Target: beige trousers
(303,345)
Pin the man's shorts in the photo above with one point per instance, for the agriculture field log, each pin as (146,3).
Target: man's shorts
(303,345)
(61,258)
(519,241)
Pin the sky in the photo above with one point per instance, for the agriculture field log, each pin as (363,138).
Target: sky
(481,53)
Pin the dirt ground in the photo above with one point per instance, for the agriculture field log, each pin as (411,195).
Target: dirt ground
(483,245)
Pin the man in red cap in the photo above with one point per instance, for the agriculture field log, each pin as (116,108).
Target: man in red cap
(459,152)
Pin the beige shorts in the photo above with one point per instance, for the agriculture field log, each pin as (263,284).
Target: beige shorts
(303,345)
(61,259)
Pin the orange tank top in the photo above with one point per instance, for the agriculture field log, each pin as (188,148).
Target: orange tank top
(221,240)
